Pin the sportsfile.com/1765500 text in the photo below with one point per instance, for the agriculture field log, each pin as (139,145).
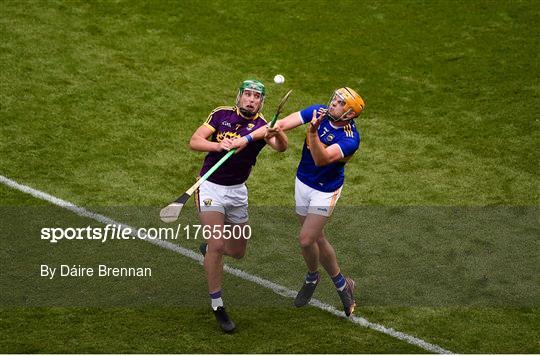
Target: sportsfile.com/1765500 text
(122,232)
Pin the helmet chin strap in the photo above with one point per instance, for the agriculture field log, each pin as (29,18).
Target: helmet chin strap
(246,112)
(341,118)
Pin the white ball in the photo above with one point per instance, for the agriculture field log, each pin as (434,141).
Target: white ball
(279,79)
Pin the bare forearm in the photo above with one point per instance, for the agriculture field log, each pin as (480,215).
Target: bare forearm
(290,122)
(258,134)
(318,150)
(198,143)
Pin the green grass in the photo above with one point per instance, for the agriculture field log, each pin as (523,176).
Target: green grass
(438,220)
(185,330)
(168,311)
(450,99)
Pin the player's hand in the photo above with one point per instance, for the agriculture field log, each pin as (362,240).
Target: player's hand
(239,143)
(315,122)
(225,145)
(272,132)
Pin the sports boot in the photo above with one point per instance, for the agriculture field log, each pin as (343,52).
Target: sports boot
(225,323)
(346,296)
(306,292)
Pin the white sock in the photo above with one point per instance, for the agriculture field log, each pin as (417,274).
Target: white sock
(218,302)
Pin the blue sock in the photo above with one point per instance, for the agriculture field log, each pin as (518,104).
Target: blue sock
(216,299)
(339,281)
(312,277)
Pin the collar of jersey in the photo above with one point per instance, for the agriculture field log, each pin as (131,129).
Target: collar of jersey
(338,127)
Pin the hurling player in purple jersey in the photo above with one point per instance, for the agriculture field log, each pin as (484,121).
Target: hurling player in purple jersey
(331,141)
(223,199)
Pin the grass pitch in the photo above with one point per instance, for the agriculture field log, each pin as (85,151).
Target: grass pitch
(439,214)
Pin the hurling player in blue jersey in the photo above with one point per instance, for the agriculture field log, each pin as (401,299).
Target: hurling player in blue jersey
(223,199)
(331,141)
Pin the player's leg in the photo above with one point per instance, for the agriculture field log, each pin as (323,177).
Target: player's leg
(344,285)
(308,246)
(327,256)
(319,208)
(236,220)
(310,232)
(237,239)
(212,217)
(234,243)
(213,259)
(213,266)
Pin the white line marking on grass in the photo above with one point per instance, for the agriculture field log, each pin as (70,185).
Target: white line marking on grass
(276,288)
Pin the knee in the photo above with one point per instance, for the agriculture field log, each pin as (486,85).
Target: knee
(306,240)
(216,246)
(321,240)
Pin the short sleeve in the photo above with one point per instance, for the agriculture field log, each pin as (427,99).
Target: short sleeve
(211,121)
(349,145)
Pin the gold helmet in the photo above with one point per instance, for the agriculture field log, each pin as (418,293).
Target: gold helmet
(353,103)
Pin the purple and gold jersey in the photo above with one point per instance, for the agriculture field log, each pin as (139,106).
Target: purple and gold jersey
(327,178)
(226,122)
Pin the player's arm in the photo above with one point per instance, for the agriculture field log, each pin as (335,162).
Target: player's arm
(199,141)
(287,123)
(290,122)
(321,154)
(241,142)
(276,138)
(258,134)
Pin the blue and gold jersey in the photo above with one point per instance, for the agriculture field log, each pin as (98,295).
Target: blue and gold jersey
(330,177)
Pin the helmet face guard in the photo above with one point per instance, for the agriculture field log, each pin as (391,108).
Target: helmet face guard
(351,101)
(253,85)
